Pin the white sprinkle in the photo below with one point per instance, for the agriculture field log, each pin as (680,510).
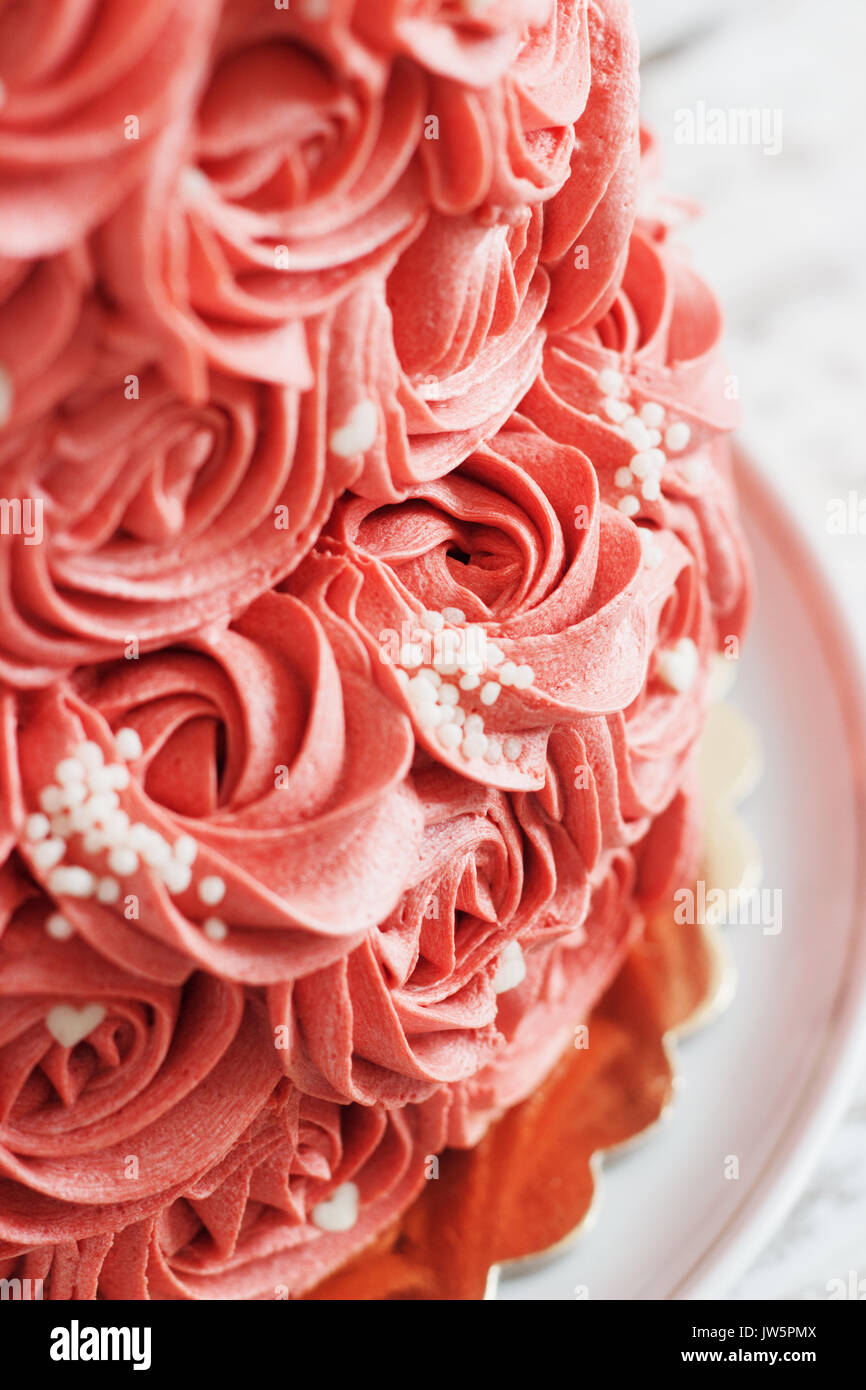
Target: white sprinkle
(651,489)
(623,477)
(90,754)
(511,970)
(340,1211)
(678,665)
(652,553)
(69,1026)
(75,794)
(694,470)
(193,184)
(458,715)
(156,851)
(177,877)
(101,805)
(59,927)
(115,828)
(654,438)
(6,395)
(507,672)
(123,861)
(677,436)
(94,842)
(648,462)
(523,677)
(428,716)
(629,505)
(495,655)
(69,770)
(402,678)
(72,881)
(474,745)
(36,826)
(490,692)
(128,744)
(610,381)
(493,752)
(138,835)
(51,800)
(358,433)
(212,890)
(430,676)
(635,432)
(512,748)
(99,779)
(107,890)
(448,695)
(470,681)
(433,621)
(617,411)
(48,853)
(117,776)
(652,415)
(449,735)
(454,615)
(215,929)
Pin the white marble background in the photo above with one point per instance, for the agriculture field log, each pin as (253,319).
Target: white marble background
(783,240)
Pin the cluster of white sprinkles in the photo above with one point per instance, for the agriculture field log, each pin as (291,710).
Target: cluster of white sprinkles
(84,800)
(465,669)
(652,436)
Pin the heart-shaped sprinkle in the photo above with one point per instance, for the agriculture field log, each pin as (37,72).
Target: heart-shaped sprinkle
(339,1212)
(69,1025)
(358,433)
(678,665)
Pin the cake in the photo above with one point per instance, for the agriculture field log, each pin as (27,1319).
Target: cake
(369,537)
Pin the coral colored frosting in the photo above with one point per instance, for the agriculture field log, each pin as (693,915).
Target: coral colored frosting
(312,355)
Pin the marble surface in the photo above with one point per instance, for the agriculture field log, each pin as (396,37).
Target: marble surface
(783,240)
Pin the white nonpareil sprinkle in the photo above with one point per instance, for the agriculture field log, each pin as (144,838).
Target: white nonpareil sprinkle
(652,414)
(493,752)
(449,735)
(69,770)
(358,433)
(454,615)
(212,889)
(52,800)
(448,695)
(524,677)
(128,744)
(647,462)
(610,381)
(617,411)
(490,692)
(90,754)
(651,489)
(636,432)
(339,1212)
(512,748)
(677,436)
(629,505)
(48,853)
(411,655)
(72,881)
(36,827)
(470,681)
(215,929)
(107,890)
(623,477)
(474,745)
(507,672)
(59,927)
(185,849)
(511,970)
(678,665)
(433,621)
(178,877)
(123,861)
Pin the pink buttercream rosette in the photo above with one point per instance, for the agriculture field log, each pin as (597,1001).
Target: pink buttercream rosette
(350,688)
